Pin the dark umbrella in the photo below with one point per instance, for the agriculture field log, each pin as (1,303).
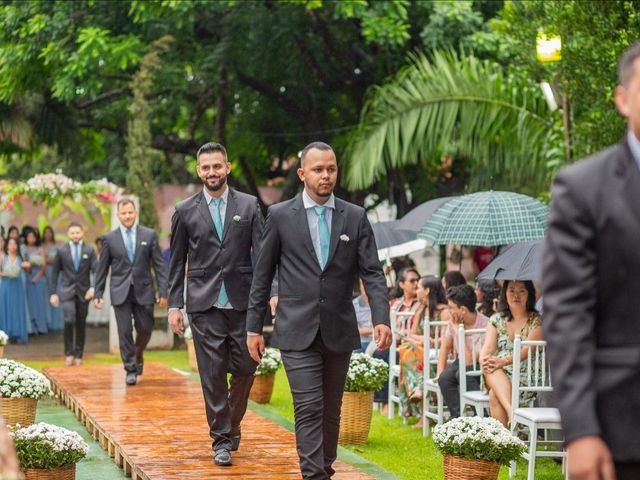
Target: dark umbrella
(521,261)
(394,242)
(415,219)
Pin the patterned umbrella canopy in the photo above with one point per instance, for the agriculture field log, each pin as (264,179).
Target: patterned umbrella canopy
(486,218)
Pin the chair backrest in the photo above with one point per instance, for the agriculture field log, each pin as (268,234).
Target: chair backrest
(400,327)
(535,375)
(469,368)
(432,337)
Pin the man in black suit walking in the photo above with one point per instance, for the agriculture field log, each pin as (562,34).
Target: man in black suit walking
(130,252)
(591,280)
(74,264)
(213,235)
(319,244)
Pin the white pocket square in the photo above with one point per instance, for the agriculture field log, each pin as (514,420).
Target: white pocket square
(85,256)
(143,243)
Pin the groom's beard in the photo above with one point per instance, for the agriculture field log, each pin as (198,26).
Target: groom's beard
(213,185)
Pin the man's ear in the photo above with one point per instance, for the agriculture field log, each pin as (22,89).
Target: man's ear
(621,101)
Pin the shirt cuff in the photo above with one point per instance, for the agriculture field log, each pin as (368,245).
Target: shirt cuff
(171,309)
(253,334)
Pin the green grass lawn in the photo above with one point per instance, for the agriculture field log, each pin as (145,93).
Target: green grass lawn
(392,446)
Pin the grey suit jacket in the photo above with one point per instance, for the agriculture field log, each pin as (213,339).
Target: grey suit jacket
(210,260)
(125,273)
(591,286)
(72,283)
(311,298)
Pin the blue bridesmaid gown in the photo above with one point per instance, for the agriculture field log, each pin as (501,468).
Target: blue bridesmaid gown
(13,306)
(37,293)
(56,320)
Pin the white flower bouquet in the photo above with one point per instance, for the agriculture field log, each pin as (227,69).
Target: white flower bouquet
(11,271)
(478,438)
(36,260)
(48,446)
(366,374)
(271,361)
(188,334)
(4,338)
(19,381)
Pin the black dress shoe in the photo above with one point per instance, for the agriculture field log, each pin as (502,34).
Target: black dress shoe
(140,368)
(132,378)
(235,442)
(222,457)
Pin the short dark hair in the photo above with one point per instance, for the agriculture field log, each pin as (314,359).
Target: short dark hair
(463,296)
(531,298)
(212,147)
(453,278)
(125,201)
(626,68)
(74,224)
(318,146)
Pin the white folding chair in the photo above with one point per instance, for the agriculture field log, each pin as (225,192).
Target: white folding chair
(400,328)
(479,399)
(536,378)
(432,330)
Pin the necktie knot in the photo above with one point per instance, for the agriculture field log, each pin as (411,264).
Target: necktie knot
(320,210)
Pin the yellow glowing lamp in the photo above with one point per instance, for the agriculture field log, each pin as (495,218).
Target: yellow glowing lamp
(548,48)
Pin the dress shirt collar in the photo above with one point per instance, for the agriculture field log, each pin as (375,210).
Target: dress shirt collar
(210,198)
(634,145)
(123,230)
(308,202)
(71,245)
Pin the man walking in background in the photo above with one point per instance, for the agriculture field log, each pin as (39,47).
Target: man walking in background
(319,244)
(74,264)
(130,251)
(213,234)
(590,283)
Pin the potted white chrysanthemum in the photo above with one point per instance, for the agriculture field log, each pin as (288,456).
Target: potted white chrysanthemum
(475,444)
(4,339)
(48,451)
(20,389)
(365,375)
(262,387)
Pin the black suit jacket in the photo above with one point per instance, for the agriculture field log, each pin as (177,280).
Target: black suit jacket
(311,298)
(125,273)
(208,259)
(72,283)
(591,285)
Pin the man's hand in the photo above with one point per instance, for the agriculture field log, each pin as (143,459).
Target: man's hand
(89,295)
(162,301)
(176,322)
(255,344)
(98,303)
(54,300)
(273,303)
(382,336)
(589,458)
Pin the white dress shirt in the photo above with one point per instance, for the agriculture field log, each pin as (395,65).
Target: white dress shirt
(312,219)
(634,145)
(123,231)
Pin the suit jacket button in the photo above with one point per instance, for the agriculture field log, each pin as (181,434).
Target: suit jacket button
(322,300)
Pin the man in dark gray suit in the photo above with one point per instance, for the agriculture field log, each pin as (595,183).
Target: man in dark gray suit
(74,264)
(213,234)
(591,281)
(319,244)
(130,252)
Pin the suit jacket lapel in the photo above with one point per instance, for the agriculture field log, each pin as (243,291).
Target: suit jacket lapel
(302,224)
(337,223)
(138,240)
(120,242)
(232,208)
(630,173)
(203,208)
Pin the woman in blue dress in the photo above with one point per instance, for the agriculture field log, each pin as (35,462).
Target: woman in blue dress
(36,282)
(13,308)
(56,321)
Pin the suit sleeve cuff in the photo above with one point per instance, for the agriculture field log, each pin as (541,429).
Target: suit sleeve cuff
(253,334)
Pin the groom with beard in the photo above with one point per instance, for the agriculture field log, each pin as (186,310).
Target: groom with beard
(213,235)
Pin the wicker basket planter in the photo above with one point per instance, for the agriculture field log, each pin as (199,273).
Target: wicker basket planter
(68,472)
(191,350)
(460,468)
(18,410)
(262,388)
(355,417)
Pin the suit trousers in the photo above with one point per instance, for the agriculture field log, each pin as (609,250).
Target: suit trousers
(316,377)
(220,341)
(74,312)
(449,382)
(130,352)
(627,470)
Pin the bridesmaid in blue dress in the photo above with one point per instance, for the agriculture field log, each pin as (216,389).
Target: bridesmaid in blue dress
(36,282)
(56,321)
(13,309)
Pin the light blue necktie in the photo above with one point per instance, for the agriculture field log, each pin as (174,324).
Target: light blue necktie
(76,256)
(323,233)
(214,208)
(129,245)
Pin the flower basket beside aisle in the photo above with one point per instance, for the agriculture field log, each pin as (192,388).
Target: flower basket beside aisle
(262,387)
(4,338)
(20,389)
(366,374)
(474,447)
(48,452)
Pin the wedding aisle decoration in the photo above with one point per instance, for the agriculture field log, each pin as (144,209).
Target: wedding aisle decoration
(365,375)
(20,389)
(262,387)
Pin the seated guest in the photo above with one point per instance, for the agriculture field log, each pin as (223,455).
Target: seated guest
(432,300)
(517,316)
(452,278)
(363,316)
(488,295)
(462,310)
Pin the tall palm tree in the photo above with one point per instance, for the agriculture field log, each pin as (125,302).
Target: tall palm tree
(462,106)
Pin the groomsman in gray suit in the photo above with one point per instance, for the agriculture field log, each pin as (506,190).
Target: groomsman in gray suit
(73,265)
(319,244)
(213,235)
(130,251)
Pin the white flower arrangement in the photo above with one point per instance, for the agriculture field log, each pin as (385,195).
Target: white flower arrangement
(478,438)
(19,381)
(4,338)
(366,374)
(236,218)
(12,270)
(48,446)
(36,260)
(270,362)
(345,238)
(188,334)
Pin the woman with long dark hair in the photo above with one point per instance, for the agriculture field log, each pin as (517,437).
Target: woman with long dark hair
(36,282)
(12,294)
